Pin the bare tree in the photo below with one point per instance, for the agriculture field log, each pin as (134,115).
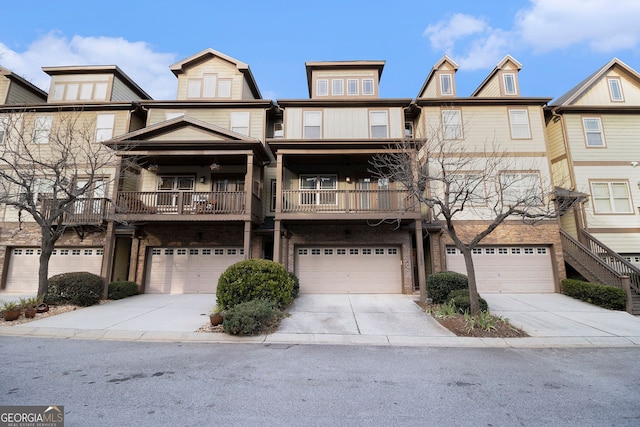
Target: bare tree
(460,183)
(51,171)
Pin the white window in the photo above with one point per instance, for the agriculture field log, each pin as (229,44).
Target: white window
(519,121)
(593,131)
(379,124)
(193,89)
(224,88)
(611,197)
(322,87)
(521,188)
(312,124)
(72,92)
(615,90)
(509,84)
(367,87)
(466,187)
(278,130)
(209,85)
(240,122)
(337,87)
(86,91)
(452,124)
(104,127)
(408,130)
(42,129)
(58,92)
(352,86)
(446,86)
(3,128)
(100,93)
(318,189)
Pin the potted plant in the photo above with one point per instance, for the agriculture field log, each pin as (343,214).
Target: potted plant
(216,316)
(29,305)
(10,311)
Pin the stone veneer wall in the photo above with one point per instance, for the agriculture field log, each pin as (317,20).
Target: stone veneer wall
(358,235)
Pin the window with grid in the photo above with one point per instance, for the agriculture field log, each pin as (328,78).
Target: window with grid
(352,86)
(104,127)
(611,197)
(467,187)
(322,87)
(615,90)
(337,87)
(509,80)
(446,85)
(452,124)
(593,131)
(240,122)
(42,129)
(519,188)
(367,87)
(4,121)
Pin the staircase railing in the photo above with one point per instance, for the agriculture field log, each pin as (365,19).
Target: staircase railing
(613,260)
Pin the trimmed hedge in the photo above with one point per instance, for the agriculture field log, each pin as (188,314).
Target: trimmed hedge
(460,299)
(78,288)
(602,295)
(440,285)
(255,279)
(251,317)
(122,289)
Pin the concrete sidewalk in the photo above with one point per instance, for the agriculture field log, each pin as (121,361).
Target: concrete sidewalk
(551,320)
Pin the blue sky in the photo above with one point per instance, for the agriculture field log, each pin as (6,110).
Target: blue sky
(558,42)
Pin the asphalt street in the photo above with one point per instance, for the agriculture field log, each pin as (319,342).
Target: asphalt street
(112,383)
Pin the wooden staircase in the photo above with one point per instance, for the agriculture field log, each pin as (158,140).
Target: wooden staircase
(597,263)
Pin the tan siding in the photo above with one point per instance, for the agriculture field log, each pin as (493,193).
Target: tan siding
(396,123)
(555,139)
(346,123)
(185,134)
(4,88)
(491,89)
(217,117)
(598,94)
(218,66)
(293,123)
(431,90)
(620,242)
(620,134)
(568,224)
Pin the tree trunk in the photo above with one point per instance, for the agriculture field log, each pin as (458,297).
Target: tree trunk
(47,246)
(474,298)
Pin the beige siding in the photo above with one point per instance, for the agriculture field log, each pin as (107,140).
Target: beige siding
(122,92)
(555,139)
(491,89)
(293,123)
(568,224)
(620,134)
(4,88)
(562,174)
(620,242)
(218,117)
(345,123)
(185,134)
(431,91)
(598,94)
(218,66)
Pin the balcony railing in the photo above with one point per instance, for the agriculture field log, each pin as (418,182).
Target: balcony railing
(181,202)
(83,211)
(348,201)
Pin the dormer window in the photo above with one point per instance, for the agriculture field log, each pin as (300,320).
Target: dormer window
(322,87)
(352,87)
(337,87)
(510,84)
(367,87)
(615,90)
(446,85)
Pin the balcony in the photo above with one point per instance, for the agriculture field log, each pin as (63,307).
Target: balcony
(345,204)
(184,205)
(84,211)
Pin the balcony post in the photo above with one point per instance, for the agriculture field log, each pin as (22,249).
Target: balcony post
(247,240)
(276,241)
(422,277)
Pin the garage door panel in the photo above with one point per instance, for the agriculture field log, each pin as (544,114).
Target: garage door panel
(349,269)
(22,273)
(188,270)
(507,269)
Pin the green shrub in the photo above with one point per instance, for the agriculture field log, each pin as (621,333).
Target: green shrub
(79,288)
(604,296)
(296,284)
(122,289)
(252,317)
(439,285)
(255,279)
(460,299)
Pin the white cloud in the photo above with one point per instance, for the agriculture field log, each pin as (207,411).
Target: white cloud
(604,25)
(149,69)
(483,46)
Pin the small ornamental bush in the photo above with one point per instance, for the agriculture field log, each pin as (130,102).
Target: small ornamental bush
(296,284)
(252,317)
(440,285)
(460,300)
(122,289)
(79,288)
(255,279)
(602,295)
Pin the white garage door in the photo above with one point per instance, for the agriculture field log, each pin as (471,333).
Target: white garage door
(188,270)
(520,269)
(375,269)
(22,275)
